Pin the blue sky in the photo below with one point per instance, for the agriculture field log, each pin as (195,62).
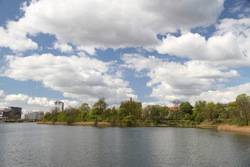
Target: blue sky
(79,51)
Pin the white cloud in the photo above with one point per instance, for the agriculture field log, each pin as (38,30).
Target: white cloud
(83,78)
(16,41)
(225,95)
(228,47)
(172,80)
(36,103)
(189,45)
(42,101)
(17,97)
(63,47)
(4,105)
(89,50)
(1,94)
(95,23)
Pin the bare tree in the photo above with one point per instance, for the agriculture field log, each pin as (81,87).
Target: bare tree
(176,102)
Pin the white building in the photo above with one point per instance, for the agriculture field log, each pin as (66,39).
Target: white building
(59,105)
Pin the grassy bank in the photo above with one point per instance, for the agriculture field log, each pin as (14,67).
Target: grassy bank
(234,128)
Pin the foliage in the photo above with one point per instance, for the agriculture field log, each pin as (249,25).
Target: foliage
(101,105)
(129,120)
(210,112)
(84,107)
(131,108)
(243,102)
(198,113)
(186,108)
(131,113)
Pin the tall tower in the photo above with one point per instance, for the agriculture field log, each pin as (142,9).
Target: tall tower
(60,105)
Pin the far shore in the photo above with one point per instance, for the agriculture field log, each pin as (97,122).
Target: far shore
(221,128)
(124,125)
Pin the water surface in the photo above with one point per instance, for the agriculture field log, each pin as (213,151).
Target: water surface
(29,144)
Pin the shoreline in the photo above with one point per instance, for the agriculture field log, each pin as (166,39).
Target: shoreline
(106,124)
(84,123)
(234,128)
(220,128)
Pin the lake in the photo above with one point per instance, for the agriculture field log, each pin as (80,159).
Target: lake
(29,144)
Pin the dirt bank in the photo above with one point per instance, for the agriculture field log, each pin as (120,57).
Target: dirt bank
(234,128)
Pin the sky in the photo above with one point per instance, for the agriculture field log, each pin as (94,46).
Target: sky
(78,51)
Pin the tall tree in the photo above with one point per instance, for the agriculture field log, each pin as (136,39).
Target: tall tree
(243,102)
(84,107)
(210,112)
(186,108)
(101,105)
(233,111)
(132,108)
(156,114)
(198,113)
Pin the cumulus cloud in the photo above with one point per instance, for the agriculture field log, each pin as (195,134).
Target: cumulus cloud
(90,50)
(228,47)
(16,41)
(1,94)
(63,47)
(78,77)
(95,23)
(171,80)
(17,97)
(83,27)
(24,100)
(225,95)
(42,101)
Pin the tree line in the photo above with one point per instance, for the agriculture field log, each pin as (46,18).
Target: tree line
(131,113)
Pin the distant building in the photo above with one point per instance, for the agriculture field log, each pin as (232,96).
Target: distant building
(59,105)
(1,114)
(34,115)
(10,113)
(174,108)
(17,111)
(6,113)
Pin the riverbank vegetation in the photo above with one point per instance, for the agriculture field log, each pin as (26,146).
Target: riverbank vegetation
(131,113)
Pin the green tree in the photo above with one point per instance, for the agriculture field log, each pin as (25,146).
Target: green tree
(147,111)
(164,112)
(243,102)
(233,111)
(210,112)
(72,115)
(122,112)
(101,105)
(113,115)
(132,108)
(198,114)
(156,114)
(113,112)
(221,108)
(129,120)
(84,107)
(186,108)
(46,117)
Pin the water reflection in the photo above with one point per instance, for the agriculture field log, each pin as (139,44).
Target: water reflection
(29,144)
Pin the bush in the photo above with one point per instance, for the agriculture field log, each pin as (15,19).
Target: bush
(242,124)
(129,120)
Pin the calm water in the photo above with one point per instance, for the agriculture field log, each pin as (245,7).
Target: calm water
(29,144)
